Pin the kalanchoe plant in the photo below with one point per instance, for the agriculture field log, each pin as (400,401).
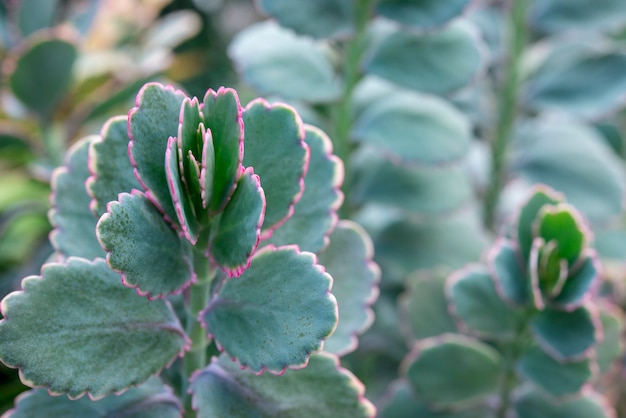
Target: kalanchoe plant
(528,331)
(166,209)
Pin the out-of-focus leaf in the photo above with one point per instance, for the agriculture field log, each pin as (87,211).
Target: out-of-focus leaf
(571,158)
(33,15)
(533,404)
(39,89)
(322,389)
(611,346)
(150,400)
(580,80)
(474,373)
(553,16)
(423,14)
(274,61)
(319,19)
(438,63)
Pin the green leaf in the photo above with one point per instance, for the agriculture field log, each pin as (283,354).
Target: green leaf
(190,143)
(407,245)
(144,248)
(238,232)
(150,400)
(538,197)
(152,122)
(414,189)
(424,307)
(322,389)
(439,62)
(415,128)
(110,166)
(78,317)
(572,158)
(474,373)
(273,60)
(43,90)
(532,404)
(556,378)
(511,281)
(610,348)
(222,115)
(33,15)
(555,16)
(274,133)
(423,14)
(580,281)
(567,335)
(401,402)
(315,214)
(563,224)
(74,225)
(319,19)
(276,314)
(348,259)
(478,308)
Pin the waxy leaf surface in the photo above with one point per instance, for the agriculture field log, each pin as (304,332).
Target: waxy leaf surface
(74,224)
(439,62)
(611,346)
(39,89)
(275,61)
(566,335)
(319,19)
(511,281)
(478,308)
(424,307)
(533,404)
(580,282)
(322,389)
(276,313)
(348,259)
(183,205)
(150,400)
(144,248)
(556,378)
(474,373)
(414,128)
(238,231)
(275,148)
(315,214)
(423,14)
(75,327)
(222,115)
(557,15)
(152,122)
(109,164)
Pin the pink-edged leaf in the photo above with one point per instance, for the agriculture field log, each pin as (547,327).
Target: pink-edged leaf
(315,214)
(222,115)
(237,233)
(276,149)
(109,165)
(153,120)
(144,248)
(322,389)
(74,224)
(348,259)
(182,201)
(76,329)
(276,313)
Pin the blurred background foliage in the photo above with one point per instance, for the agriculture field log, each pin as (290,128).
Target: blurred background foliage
(500,94)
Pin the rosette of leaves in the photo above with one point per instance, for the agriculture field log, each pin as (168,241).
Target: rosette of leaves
(527,331)
(168,207)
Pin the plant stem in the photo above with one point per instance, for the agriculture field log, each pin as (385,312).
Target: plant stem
(343,115)
(507,109)
(199,292)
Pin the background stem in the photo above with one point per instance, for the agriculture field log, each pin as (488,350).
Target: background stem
(507,108)
(343,115)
